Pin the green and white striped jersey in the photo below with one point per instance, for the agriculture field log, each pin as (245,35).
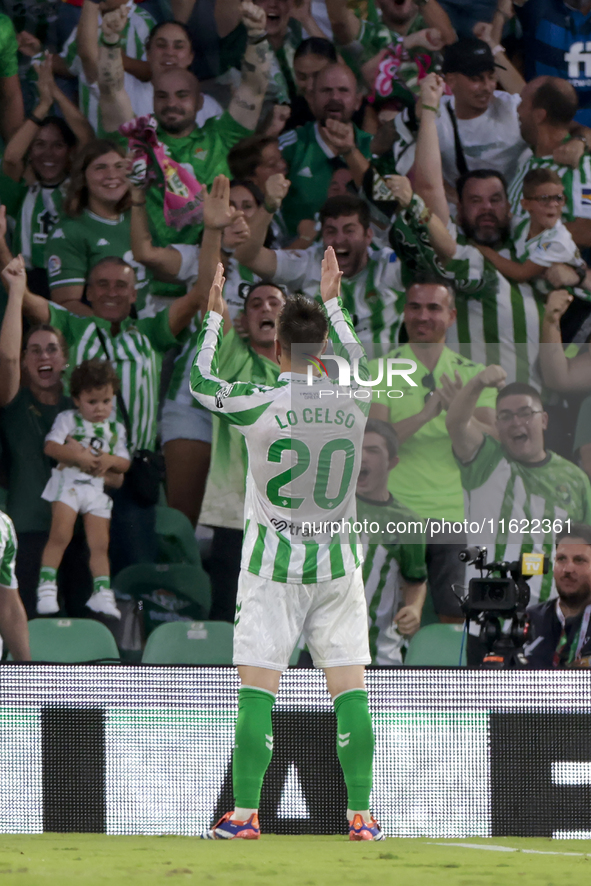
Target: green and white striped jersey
(374,298)
(498,490)
(577,185)
(304,452)
(552,246)
(238,278)
(135,352)
(40,210)
(7,552)
(105,436)
(136,32)
(388,557)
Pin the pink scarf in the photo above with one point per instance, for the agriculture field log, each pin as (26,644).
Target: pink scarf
(150,166)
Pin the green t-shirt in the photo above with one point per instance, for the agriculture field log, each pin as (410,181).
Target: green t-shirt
(75,245)
(8,48)
(499,489)
(311,164)
(24,424)
(7,552)
(395,552)
(427,478)
(223,504)
(135,352)
(204,153)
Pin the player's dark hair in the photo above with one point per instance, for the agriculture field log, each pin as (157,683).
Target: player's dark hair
(558,98)
(536,177)
(91,374)
(480,175)
(519,387)
(77,196)
(343,205)
(577,530)
(153,33)
(46,327)
(316,46)
(301,321)
(386,432)
(110,260)
(245,156)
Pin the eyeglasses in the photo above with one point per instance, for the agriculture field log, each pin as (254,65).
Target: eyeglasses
(36,351)
(428,382)
(547,199)
(524,414)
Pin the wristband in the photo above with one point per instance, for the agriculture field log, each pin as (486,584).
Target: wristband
(498,48)
(118,42)
(580,138)
(429,108)
(270,210)
(35,120)
(138,204)
(346,153)
(252,41)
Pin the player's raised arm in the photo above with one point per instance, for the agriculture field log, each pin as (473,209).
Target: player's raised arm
(341,331)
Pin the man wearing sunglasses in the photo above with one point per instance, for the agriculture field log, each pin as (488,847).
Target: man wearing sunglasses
(428,480)
(519,495)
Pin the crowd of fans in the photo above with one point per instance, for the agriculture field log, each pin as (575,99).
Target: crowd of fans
(441,148)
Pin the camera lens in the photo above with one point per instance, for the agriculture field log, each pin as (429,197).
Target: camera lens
(496,594)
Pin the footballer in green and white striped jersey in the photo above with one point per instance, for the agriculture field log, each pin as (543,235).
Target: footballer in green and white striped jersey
(391,558)
(135,33)
(522,506)
(577,185)
(136,354)
(8,547)
(374,297)
(304,450)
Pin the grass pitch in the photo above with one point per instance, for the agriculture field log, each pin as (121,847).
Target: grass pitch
(96,860)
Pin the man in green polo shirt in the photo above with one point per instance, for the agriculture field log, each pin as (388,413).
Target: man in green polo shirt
(427,479)
(135,348)
(313,151)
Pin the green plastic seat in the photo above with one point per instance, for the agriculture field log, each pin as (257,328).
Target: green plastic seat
(190,642)
(67,640)
(168,592)
(176,537)
(437,644)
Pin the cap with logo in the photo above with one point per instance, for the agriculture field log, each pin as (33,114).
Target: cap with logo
(469,56)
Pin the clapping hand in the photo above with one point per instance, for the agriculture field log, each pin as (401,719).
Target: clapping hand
(216,298)
(330,279)
(217,212)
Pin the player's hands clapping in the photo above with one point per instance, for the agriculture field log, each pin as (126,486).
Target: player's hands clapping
(276,187)
(254,18)
(558,302)
(217,212)
(45,84)
(14,276)
(330,279)
(216,298)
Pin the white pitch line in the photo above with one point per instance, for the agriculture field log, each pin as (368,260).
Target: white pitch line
(510,849)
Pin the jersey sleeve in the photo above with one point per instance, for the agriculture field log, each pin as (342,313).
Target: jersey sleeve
(476,472)
(240,403)
(556,248)
(228,130)
(189,260)
(61,427)
(413,567)
(296,267)
(157,331)
(8,48)
(65,258)
(8,547)
(70,325)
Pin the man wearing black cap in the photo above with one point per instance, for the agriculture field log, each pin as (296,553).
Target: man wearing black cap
(478,126)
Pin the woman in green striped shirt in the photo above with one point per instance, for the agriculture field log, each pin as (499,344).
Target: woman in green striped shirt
(95,224)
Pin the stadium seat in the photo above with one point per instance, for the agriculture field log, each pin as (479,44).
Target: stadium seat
(67,640)
(437,644)
(176,538)
(167,592)
(190,642)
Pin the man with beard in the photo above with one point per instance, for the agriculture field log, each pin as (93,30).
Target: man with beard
(560,633)
(313,151)
(518,494)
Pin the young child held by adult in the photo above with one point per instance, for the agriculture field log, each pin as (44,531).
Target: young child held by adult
(540,239)
(91,449)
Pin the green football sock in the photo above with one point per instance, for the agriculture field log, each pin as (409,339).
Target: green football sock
(355,744)
(100,583)
(253,747)
(47,573)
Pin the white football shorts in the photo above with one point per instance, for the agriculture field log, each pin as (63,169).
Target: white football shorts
(271,615)
(79,491)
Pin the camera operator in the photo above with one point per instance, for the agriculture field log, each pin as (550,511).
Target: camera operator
(560,629)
